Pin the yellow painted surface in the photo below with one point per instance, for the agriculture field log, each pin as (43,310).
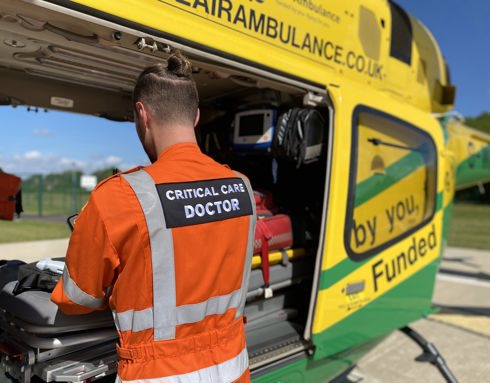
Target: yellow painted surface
(395,265)
(333,304)
(333,41)
(390,213)
(464,141)
(368,151)
(346,100)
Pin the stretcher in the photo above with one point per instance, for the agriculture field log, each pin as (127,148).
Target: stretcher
(38,340)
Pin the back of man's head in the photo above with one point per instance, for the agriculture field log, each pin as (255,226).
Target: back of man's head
(169,92)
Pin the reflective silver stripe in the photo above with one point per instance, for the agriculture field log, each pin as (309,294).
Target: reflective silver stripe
(164,316)
(134,320)
(250,249)
(77,295)
(139,320)
(215,305)
(162,253)
(226,372)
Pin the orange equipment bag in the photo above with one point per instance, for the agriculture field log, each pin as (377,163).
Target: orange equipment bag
(9,187)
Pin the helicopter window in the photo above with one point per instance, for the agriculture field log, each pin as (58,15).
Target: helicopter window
(392,190)
(401,34)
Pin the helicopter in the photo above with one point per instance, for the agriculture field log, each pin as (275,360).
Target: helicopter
(370,208)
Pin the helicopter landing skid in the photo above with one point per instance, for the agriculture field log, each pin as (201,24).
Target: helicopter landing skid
(430,354)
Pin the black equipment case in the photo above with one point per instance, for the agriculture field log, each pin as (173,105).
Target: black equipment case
(299,135)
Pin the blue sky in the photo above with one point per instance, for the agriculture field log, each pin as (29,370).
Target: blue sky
(54,141)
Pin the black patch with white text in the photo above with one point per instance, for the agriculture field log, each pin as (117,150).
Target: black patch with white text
(192,203)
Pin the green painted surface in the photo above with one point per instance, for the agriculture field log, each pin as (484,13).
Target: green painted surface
(340,270)
(408,301)
(308,370)
(377,183)
(474,169)
(403,304)
(446,224)
(439,201)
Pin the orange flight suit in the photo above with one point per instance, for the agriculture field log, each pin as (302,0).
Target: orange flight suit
(9,187)
(167,254)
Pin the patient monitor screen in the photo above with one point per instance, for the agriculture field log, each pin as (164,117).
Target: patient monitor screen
(254,129)
(251,125)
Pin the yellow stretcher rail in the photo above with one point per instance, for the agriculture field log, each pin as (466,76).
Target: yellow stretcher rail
(276,257)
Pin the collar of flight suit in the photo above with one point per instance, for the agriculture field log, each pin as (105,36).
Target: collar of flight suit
(178,148)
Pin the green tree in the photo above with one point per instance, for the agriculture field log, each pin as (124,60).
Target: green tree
(481,122)
(104,173)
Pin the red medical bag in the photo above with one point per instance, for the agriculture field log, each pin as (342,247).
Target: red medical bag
(264,203)
(272,233)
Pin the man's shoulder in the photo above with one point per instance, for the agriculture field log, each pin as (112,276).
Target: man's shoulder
(223,169)
(114,180)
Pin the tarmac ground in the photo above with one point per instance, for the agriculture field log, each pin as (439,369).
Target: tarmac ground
(460,330)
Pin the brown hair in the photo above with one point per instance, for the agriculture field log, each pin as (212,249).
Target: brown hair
(169,92)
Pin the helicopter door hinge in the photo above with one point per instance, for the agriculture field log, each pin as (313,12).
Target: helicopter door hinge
(142,43)
(314,99)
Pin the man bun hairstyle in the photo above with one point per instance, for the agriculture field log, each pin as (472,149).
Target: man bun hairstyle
(169,92)
(179,66)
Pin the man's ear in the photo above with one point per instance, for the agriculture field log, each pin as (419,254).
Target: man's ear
(142,114)
(198,115)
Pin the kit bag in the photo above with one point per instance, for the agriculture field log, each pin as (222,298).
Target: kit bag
(31,278)
(298,136)
(272,233)
(264,203)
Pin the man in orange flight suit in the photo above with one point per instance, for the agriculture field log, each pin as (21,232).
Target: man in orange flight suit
(167,247)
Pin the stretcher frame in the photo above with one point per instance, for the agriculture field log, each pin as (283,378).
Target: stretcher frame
(79,352)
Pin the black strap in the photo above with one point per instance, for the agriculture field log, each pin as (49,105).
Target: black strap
(31,278)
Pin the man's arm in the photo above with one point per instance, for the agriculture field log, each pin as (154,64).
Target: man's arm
(90,265)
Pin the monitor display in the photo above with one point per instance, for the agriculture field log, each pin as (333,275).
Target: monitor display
(254,129)
(251,125)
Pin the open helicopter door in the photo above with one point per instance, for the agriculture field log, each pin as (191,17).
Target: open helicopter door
(383,224)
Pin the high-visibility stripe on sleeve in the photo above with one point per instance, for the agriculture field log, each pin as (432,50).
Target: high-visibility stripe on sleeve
(228,371)
(77,295)
(139,320)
